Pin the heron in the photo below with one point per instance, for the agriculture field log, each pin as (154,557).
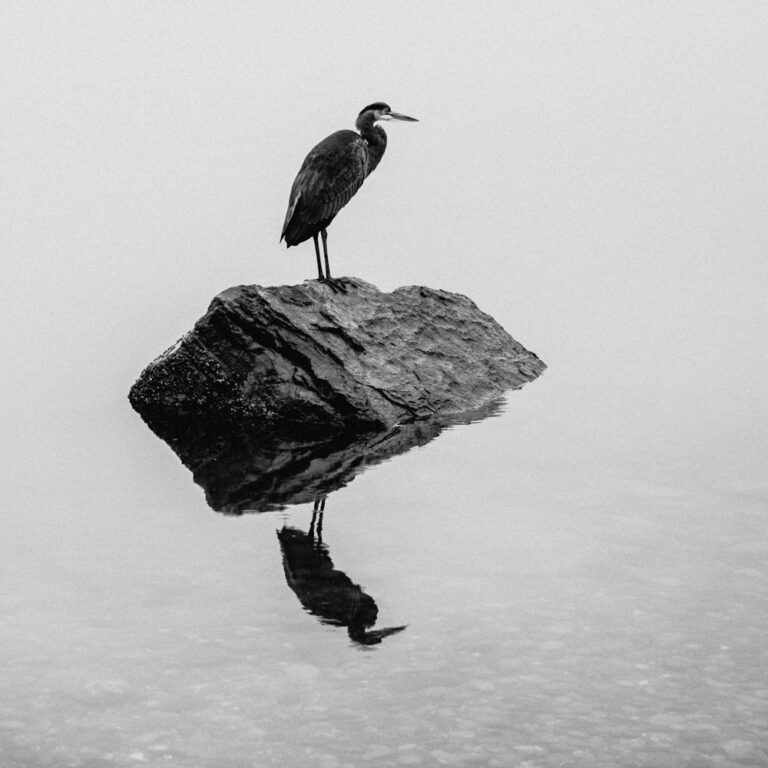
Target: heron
(331,174)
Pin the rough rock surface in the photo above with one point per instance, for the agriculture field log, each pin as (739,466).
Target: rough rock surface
(300,361)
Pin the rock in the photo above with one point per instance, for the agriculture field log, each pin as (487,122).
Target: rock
(304,360)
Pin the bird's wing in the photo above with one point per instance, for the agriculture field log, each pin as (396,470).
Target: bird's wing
(330,175)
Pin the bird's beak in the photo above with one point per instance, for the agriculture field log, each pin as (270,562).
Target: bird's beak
(398,116)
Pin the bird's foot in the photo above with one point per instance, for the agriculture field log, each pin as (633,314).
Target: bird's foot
(336,284)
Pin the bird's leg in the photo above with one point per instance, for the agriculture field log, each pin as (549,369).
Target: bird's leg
(320,276)
(337,284)
(324,233)
(317,255)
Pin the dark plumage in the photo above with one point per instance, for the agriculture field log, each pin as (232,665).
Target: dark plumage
(331,173)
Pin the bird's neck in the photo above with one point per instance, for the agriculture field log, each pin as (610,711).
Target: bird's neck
(377,143)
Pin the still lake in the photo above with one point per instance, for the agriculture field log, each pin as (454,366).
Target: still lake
(582,580)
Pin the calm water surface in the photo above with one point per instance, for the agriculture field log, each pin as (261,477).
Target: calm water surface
(582,583)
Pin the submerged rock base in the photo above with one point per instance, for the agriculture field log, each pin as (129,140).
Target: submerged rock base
(300,361)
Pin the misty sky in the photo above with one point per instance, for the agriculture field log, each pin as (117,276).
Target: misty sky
(592,174)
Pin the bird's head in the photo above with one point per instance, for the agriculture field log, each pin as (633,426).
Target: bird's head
(380,111)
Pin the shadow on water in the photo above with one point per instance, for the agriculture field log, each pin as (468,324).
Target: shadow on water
(323,590)
(240,472)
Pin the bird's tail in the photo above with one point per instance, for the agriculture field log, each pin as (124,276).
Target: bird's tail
(290,237)
(375,636)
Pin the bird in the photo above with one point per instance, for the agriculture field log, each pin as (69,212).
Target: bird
(331,174)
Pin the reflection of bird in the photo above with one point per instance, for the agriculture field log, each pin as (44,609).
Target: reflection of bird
(323,591)
(331,173)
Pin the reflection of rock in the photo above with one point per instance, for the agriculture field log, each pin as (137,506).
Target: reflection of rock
(323,590)
(302,361)
(241,473)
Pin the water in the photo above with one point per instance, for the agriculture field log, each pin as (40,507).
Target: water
(576,591)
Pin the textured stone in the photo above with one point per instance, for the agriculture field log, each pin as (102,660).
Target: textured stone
(300,361)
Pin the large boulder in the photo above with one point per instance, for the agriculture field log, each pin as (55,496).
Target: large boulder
(302,361)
